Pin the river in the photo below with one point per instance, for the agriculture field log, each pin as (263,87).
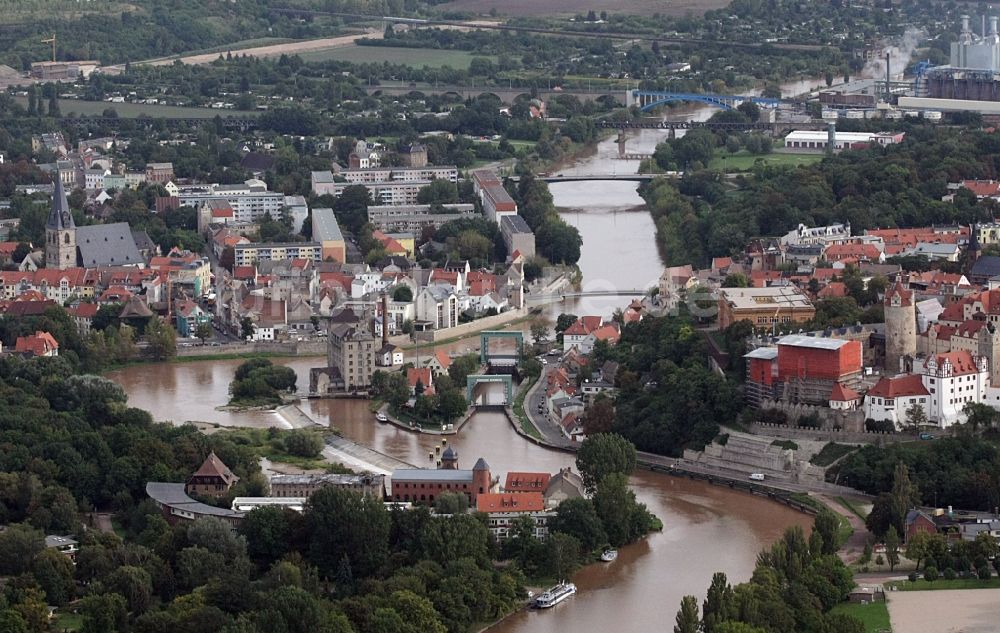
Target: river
(706,528)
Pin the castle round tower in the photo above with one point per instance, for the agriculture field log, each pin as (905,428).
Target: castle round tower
(900,327)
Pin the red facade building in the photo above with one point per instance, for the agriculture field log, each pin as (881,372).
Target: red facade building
(807,367)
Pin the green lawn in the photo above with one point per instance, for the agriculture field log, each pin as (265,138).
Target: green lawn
(853,507)
(743,160)
(66,621)
(874,616)
(831,453)
(133,110)
(525,419)
(417,57)
(940,583)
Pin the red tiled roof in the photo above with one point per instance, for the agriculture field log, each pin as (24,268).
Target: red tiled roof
(443,359)
(243,273)
(841,393)
(421,375)
(214,467)
(494,502)
(526,482)
(718,263)
(982,188)
(962,362)
(905,295)
(607,333)
(40,343)
(84,310)
(834,289)
(840,252)
(910,385)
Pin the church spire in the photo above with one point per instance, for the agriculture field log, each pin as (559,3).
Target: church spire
(60,217)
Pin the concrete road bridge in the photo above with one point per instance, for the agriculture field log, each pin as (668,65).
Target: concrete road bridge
(508,94)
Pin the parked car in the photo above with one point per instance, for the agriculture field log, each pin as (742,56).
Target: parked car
(926,436)
(757,476)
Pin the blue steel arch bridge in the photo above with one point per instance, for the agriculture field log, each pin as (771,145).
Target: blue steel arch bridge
(649,99)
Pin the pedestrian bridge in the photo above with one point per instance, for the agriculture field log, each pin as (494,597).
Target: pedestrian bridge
(649,99)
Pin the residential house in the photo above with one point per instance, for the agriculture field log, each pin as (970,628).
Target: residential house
(504,510)
(563,485)
(526,482)
(38,344)
(389,355)
(439,363)
(579,334)
(212,479)
(437,306)
(189,315)
(420,379)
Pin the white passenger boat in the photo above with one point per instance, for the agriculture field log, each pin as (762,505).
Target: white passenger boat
(555,595)
(609,555)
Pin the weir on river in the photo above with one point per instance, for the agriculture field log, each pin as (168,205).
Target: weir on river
(706,528)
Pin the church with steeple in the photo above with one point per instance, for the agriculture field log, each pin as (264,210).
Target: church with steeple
(92,246)
(60,232)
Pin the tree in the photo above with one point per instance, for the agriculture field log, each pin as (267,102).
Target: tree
(162,339)
(827,525)
(451,404)
(103,613)
(302,443)
(917,547)
(345,523)
(719,605)
(622,517)
(892,547)
(539,331)
(267,532)
(979,417)
(351,207)
(915,416)
(203,331)
(599,416)
(559,242)
(561,555)
(904,496)
(403,294)
(736,280)
(578,518)
(215,536)
(439,191)
(53,571)
(451,503)
(687,620)
(135,585)
(563,321)
(602,455)
(19,545)
(247,328)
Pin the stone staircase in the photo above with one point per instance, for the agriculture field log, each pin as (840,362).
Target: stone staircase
(744,453)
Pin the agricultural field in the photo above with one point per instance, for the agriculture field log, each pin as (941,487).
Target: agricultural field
(133,110)
(416,57)
(519,8)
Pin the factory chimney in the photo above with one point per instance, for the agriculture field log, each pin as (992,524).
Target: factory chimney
(993,26)
(831,137)
(888,76)
(966,36)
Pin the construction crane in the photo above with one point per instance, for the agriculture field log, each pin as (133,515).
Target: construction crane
(51,40)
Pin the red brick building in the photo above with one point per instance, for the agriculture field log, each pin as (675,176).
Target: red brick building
(424,485)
